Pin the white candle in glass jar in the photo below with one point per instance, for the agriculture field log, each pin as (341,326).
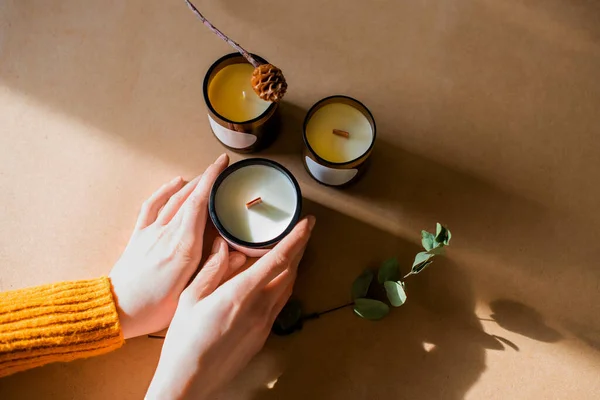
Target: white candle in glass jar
(254,228)
(335,148)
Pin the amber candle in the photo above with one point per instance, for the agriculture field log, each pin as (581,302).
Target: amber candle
(239,119)
(339,134)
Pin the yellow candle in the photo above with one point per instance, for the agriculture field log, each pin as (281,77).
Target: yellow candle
(231,94)
(337,148)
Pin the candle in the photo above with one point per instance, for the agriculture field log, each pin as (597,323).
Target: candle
(239,119)
(254,203)
(232,96)
(339,133)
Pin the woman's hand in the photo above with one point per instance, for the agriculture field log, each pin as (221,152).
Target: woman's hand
(163,253)
(224,317)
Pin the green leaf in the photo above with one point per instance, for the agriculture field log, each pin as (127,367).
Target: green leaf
(438,250)
(422,260)
(421,267)
(427,240)
(389,271)
(361,284)
(395,293)
(370,309)
(442,234)
(438,229)
(289,319)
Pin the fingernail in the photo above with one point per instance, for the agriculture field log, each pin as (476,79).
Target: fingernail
(177,179)
(221,158)
(311,222)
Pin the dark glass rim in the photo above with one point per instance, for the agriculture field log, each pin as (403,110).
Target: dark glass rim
(205,89)
(307,118)
(231,169)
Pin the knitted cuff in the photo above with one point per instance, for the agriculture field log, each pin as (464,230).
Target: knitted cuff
(57,322)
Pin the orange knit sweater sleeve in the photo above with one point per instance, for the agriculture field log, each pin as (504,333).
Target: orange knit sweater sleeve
(57,322)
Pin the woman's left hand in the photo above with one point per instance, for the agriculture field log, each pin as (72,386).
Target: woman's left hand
(164,252)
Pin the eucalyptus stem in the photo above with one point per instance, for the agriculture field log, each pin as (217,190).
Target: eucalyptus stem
(220,34)
(318,314)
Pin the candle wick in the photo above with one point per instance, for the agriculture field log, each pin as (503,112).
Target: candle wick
(254,202)
(341,133)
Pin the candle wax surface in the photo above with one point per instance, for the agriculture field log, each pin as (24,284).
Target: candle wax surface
(231,95)
(335,148)
(261,222)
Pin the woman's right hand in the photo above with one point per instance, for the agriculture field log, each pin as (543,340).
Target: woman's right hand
(224,317)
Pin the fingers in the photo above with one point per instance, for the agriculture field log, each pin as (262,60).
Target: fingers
(233,271)
(236,261)
(278,285)
(151,207)
(281,301)
(279,290)
(194,210)
(175,202)
(282,257)
(212,272)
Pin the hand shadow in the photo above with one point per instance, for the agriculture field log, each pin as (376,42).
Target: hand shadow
(432,347)
(522,319)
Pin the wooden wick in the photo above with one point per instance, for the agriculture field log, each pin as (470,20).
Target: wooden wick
(254,202)
(220,34)
(341,133)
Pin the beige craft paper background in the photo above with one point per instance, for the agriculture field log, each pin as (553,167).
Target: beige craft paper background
(487,115)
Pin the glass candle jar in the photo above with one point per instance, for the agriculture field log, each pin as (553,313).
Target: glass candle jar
(239,119)
(255,203)
(339,133)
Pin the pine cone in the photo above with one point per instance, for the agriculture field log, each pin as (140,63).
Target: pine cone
(268,82)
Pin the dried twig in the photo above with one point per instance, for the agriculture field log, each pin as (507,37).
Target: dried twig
(220,34)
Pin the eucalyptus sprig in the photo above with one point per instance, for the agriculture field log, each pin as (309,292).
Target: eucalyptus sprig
(389,277)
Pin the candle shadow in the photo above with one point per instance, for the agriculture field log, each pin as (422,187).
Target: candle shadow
(289,139)
(265,209)
(270,211)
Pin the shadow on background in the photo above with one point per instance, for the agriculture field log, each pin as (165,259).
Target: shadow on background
(289,140)
(517,238)
(490,219)
(587,333)
(524,320)
(432,347)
